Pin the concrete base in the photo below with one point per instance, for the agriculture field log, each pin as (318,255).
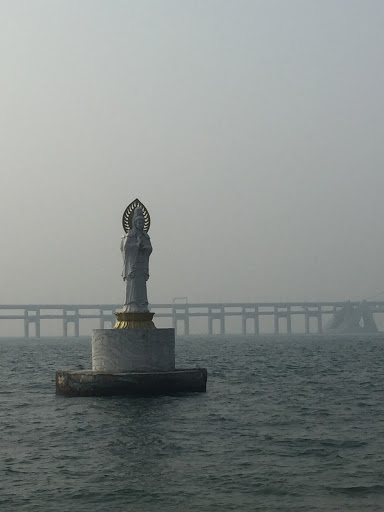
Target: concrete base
(133,350)
(91,383)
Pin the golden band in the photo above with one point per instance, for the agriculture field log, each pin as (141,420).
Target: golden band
(134,320)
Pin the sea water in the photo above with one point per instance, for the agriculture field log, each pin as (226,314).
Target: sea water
(287,424)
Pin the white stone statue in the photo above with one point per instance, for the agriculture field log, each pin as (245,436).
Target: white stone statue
(136,248)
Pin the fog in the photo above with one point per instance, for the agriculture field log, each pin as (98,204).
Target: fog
(251,130)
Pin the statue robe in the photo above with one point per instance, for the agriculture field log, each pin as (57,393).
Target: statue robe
(136,269)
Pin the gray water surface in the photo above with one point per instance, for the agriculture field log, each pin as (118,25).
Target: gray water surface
(287,424)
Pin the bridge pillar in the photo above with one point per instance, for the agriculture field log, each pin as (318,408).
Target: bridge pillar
(32,319)
(216,315)
(245,315)
(37,324)
(306,321)
(65,328)
(74,318)
(276,321)
(256,321)
(289,320)
(77,323)
(243,322)
(320,321)
(186,321)
(26,324)
(106,316)
(210,322)
(174,320)
(65,324)
(222,321)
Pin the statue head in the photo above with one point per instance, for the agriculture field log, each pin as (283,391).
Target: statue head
(138,219)
(135,209)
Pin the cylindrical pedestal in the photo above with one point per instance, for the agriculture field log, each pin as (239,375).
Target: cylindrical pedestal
(133,350)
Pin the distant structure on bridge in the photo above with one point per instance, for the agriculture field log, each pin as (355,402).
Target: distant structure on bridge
(354,318)
(213,318)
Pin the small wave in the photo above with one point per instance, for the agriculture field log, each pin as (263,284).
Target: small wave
(358,489)
(318,452)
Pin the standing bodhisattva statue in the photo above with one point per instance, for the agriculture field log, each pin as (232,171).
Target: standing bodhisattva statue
(136,248)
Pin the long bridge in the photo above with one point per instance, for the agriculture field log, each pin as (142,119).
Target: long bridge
(255,318)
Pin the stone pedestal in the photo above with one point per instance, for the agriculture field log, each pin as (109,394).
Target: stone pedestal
(131,362)
(89,383)
(133,350)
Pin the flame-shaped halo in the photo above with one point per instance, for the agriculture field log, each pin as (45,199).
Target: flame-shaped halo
(128,215)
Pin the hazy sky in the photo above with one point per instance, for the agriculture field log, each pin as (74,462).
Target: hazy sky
(251,129)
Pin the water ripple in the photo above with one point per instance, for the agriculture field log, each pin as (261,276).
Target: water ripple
(286,425)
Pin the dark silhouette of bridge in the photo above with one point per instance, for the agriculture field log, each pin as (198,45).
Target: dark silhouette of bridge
(336,317)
